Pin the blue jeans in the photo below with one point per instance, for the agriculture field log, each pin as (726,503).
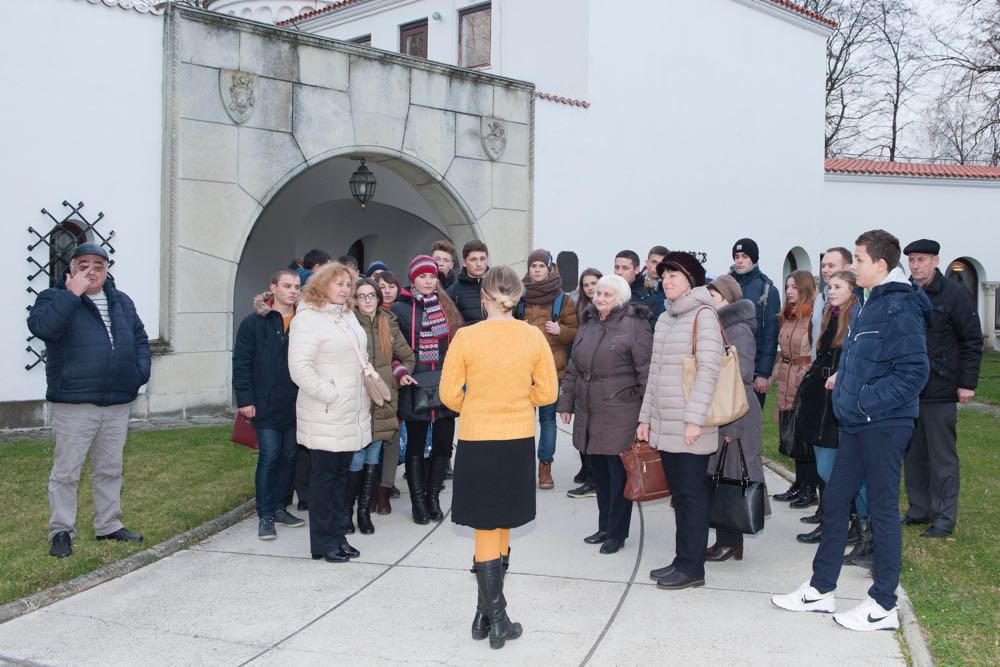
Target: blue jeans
(825,458)
(547,437)
(275,468)
(369,455)
(873,456)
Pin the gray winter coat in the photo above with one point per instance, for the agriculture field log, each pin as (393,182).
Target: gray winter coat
(606,378)
(665,407)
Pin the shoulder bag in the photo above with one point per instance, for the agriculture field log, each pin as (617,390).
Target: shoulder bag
(375,386)
(729,402)
(645,477)
(736,505)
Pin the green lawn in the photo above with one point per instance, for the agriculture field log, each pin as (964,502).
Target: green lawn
(954,583)
(988,390)
(174,480)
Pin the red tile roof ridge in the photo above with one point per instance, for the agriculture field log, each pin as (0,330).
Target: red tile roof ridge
(808,13)
(563,100)
(316,12)
(924,169)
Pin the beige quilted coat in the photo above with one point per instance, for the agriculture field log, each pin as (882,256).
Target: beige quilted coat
(332,412)
(664,406)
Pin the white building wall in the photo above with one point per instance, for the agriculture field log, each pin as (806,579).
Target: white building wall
(82,121)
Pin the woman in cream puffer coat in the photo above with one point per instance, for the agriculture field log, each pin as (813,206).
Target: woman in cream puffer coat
(674,423)
(333,411)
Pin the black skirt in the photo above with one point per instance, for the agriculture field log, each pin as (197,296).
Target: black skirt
(494,483)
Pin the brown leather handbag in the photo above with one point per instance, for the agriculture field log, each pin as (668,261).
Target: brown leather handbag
(244,433)
(646,479)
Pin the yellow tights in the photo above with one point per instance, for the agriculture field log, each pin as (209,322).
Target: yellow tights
(491,544)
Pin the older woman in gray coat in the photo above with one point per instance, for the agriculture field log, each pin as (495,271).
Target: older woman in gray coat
(672,420)
(604,385)
(739,318)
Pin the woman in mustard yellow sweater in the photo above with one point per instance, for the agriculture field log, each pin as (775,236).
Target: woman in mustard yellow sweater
(496,373)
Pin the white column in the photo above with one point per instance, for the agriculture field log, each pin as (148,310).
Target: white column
(990,314)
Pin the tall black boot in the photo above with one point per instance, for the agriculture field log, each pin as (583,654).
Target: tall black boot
(350,493)
(489,578)
(481,621)
(418,491)
(369,480)
(864,547)
(438,470)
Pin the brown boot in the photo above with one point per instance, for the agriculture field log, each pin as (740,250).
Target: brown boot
(545,475)
(382,496)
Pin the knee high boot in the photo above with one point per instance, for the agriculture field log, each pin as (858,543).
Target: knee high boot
(481,621)
(438,471)
(350,494)
(490,580)
(369,480)
(418,491)
(864,547)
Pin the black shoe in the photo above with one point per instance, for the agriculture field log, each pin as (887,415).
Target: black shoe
(807,497)
(907,520)
(580,477)
(62,545)
(122,535)
(611,545)
(661,572)
(864,547)
(677,580)
(286,518)
(490,579)
(395,491)
(585,490)
(812,518)
(853,532)
(369,482)
(791,494)
(348,550)
(596,538)
(813,537)
(934,531)
(303,506)
(418,491)
(435,482)
(335,556)
(718,553)
(350,495)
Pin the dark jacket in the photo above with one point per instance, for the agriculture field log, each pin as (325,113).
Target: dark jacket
(649,297)
(954,340)
(883,366)
(606,378)
(385,426)
(815,422)
(758,288)
(260,366)
(82,364)
(304,273)
(466,292)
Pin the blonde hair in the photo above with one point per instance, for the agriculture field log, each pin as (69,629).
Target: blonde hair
(502,286)
(314,293)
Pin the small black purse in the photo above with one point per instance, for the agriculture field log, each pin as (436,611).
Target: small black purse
(736,505)
(418,401)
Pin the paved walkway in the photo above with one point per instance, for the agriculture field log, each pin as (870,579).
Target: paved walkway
(235,600)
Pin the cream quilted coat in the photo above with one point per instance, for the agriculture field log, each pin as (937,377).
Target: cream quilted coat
(664,406)
(332,412)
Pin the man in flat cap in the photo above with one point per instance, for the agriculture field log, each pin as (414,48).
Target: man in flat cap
(97,358)
(955,348)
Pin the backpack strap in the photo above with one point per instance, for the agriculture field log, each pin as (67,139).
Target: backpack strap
(557,306)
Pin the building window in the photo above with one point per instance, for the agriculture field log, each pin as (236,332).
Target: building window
(413,39)
(363,40)
(474,25)
(63,240)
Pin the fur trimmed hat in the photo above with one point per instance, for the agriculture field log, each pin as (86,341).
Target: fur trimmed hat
(686,263)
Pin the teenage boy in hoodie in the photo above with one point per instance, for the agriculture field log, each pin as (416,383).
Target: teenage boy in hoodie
(876,390)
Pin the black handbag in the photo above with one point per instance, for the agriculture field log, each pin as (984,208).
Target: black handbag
(736,505)
(418,401)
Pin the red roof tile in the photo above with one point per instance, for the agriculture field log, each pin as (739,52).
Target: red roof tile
(563,100)
(808,13)
(316,12)
(877,168)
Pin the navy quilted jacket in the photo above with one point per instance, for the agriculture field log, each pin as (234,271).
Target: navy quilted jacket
(883,366)
(82,365)
(758,288)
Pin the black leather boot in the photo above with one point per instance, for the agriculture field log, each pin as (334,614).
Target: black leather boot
(438,470)
(864,547)
(791,494)
(481,621)
(807,497)
(853,533)
(812,537)
(489,578)
(418,491)
(369,480)
(350,493)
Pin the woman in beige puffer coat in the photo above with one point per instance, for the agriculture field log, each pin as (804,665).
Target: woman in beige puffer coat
(674,423)
(333,411)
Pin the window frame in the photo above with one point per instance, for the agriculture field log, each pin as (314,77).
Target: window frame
(462,13)
(413,28)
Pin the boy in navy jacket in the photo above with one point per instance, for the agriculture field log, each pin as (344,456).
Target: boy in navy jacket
(883,368)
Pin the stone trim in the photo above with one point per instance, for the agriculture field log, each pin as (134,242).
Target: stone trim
(140,6)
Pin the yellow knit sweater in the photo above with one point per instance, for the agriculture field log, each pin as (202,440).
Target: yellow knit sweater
(507,370)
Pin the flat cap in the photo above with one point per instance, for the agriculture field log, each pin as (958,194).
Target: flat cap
(926,246)
(90,249)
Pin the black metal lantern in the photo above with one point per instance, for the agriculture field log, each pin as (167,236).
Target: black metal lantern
(363,184)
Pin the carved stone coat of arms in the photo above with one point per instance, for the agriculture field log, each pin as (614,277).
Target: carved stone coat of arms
(238,90)
(494,135)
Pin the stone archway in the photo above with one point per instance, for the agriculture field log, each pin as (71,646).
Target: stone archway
(251,108)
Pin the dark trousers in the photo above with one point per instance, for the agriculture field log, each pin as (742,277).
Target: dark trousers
(873,456)
(688,483)
(442,437)
(301,483)
(614,512)
(931,466)
(806,473)
(761,397)
(327,488)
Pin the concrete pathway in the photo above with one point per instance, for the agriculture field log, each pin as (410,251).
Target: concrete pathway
(234,600)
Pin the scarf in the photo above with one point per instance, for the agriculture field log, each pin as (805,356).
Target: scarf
(544,292)
(790,314)
(433,327)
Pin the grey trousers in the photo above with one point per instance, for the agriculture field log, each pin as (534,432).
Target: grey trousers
(931,466)
(78,429)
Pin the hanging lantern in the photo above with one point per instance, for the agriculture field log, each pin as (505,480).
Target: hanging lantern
(363,184)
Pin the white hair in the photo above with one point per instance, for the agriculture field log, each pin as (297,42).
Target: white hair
(616,285)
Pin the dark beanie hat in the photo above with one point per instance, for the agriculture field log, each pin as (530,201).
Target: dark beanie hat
(540,255)
(686,263)
(749,246)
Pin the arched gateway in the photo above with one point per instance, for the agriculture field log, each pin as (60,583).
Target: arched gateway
(265,125)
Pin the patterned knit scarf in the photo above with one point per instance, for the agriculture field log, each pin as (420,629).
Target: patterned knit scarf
(433,327)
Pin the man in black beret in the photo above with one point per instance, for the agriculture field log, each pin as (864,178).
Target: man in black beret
(955,348)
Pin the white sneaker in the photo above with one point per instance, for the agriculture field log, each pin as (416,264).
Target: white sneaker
(869,615)
(806,598)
